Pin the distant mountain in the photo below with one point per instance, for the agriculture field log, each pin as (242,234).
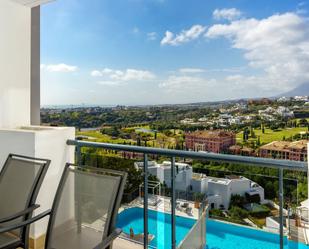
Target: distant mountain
(302,90)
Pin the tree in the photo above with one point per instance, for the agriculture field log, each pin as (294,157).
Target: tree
(245,134)
(258,141)
(303,122)
(237,200)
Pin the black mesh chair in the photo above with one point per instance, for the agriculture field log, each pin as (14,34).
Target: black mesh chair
(20,181)
(85,209)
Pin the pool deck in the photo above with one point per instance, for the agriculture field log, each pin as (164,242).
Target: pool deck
(120,243)
(165,206)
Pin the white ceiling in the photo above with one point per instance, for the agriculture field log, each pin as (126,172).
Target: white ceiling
(32,3)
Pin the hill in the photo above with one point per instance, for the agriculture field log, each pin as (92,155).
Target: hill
(302,90)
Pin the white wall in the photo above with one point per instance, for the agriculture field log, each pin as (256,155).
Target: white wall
(240,186)
(41,142)
(15,43)
(199,185)
(216,200)
(182,180)
(223,190)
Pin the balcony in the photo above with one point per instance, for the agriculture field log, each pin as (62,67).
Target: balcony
(184,222)
(171,204)
(178,210)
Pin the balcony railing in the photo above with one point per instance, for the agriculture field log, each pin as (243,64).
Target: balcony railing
(281,165)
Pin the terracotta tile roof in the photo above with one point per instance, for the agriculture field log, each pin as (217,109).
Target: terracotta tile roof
(285,145)
(212,134)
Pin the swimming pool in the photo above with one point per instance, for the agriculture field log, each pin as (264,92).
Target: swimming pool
(219,235)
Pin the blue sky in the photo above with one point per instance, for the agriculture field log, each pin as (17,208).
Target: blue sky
(131,52)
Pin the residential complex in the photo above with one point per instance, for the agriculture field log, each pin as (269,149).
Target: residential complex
(280,111)
(215,141)
(220,190)
(285,150)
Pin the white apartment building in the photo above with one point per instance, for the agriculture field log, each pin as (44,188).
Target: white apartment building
(163,173)
(284,112)
(220,190)
(281,111)
(301,98)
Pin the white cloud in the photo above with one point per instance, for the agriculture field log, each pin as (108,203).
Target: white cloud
(185,82)
(277,45)
(132,74)
(228,14)
(191,88)
(96,73)
(152,36)
(109,83)
(191,70)
(184,36)
(64,68)
(123,75)
(169,36)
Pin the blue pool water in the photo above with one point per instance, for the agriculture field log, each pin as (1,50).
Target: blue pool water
(219,235)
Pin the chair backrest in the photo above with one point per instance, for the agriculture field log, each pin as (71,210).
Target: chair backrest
(85,207)
(20,181)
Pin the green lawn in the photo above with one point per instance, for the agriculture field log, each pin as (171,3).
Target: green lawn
(270,135)
(97,136)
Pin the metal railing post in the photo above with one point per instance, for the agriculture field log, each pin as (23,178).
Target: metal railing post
(173,201)
(77,197)
(145,201)
(78,156)
(281,206)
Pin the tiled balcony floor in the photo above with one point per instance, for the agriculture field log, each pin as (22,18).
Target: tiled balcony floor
(119,244)
(125,244)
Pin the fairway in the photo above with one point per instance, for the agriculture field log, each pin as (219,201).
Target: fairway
(162,141)
(270,136)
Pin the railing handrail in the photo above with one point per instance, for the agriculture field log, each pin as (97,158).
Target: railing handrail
(254,161)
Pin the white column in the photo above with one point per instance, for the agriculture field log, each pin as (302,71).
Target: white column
(19,64)
(15,42)
(35,67)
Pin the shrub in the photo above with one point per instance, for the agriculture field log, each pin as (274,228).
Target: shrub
(237,200)
(216,213)
(238,213)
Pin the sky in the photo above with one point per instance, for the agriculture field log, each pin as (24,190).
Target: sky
(140,52)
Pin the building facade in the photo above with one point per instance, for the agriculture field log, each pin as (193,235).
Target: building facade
(285,150)
(163,172)
(216,141)
(220,190)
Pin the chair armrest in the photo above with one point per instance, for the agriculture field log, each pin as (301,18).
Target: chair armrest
(19,214)
(107,241)
(11,227)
